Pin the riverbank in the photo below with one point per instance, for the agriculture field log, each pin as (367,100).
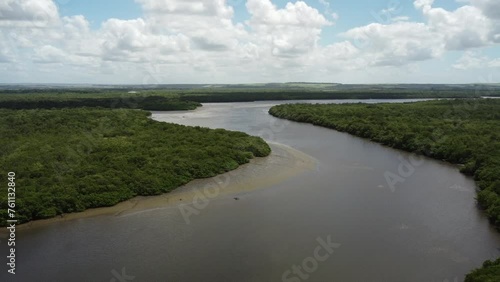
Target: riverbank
(436,229)
(283,163)
(71,160)
(460,132)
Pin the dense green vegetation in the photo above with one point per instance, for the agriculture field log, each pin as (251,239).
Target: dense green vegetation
(246,96)
(69,160)
(19,96)
(490,272)
(465,132)
(152,103)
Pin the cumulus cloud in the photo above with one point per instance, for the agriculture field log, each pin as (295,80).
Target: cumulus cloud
(466,27)
(217,8)
(48,54)
(491,8)
(289,32)
(207,23)
(423,4)
(470,60)
(397,43)
(402,41)
(475,60)
(202,41)
(34,13)
(133,40)
(294,14)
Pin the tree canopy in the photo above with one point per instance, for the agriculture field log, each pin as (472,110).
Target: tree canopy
(69,160)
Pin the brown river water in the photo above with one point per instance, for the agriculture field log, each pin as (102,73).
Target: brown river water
(324,207)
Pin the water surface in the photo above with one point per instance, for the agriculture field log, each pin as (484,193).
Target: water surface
(427,228)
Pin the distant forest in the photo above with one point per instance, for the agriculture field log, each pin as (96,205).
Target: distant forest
(151,103)
(188,97)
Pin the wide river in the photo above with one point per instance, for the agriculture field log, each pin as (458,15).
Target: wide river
(342,220)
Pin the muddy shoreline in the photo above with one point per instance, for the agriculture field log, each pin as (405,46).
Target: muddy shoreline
(283,163)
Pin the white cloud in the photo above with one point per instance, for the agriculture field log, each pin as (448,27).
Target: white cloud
(466,27)
(495,63)
(423,4)
(134,40)
(402,42)
(294,14)
(289,32)
(401,19)
(207,23)
(474,60)
(470,60)
(200,40)
(396,44)
(217,8)
(490,8)
(48,54)
(28,13)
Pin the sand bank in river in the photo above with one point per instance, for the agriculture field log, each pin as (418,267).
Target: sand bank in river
(283,163)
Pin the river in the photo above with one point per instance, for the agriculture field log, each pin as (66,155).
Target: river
(341,220)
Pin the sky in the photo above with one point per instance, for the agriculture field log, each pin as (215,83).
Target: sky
(249,41)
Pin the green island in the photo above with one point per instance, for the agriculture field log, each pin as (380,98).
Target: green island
(464,132)
(69,160)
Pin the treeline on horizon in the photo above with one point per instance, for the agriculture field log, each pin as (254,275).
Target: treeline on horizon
(189,98)
(151,103)
(69,160)
(249,96)
(464,132)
